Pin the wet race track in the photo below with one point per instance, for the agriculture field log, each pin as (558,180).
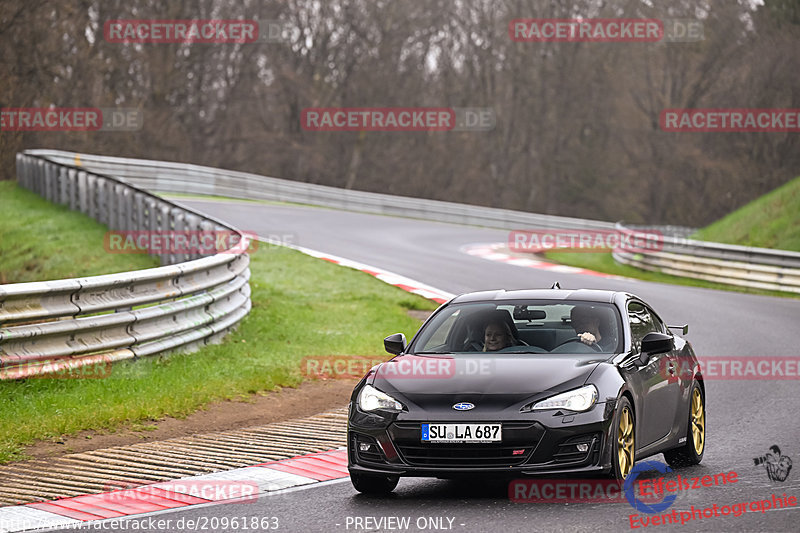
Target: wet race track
(744,417)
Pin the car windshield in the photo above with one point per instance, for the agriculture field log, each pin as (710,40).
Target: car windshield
(570,327)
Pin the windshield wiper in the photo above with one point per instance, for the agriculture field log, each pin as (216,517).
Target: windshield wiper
(430,353)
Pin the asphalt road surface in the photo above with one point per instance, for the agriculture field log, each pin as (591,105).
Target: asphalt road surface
(744,417)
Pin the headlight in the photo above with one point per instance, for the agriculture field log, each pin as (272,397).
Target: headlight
(370,399)
(575,400)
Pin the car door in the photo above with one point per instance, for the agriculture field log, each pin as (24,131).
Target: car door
(660,394)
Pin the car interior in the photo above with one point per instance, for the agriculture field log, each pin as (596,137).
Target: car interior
(535,329)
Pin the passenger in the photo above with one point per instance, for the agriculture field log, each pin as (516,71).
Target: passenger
(586,321)
(497,336)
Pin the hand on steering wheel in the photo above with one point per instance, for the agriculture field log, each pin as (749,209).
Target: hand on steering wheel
(594,346)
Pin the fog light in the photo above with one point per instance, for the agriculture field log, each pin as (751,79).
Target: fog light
(582,447)
(364,446)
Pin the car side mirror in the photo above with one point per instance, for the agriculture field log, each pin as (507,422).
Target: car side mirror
(395,344)
(654,343)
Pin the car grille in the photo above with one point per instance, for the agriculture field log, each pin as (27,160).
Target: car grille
(519,441)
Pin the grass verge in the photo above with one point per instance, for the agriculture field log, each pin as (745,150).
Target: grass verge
(770,221)
(42,241)
(301,307)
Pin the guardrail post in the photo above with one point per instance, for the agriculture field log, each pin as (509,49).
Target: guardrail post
(103,204)
(51,183)
(191,224)
(163,225)
(27,173)
(114,206)
(40,171)
(177,225)
(83,201)
(168,307)
(72,189)
(124,208)
(91,196)
(137,212)
(63,184)
(22,176)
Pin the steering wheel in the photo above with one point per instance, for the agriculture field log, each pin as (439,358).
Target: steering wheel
(593,346)
(521,349)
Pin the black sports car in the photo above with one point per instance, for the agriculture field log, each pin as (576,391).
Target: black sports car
(529,382)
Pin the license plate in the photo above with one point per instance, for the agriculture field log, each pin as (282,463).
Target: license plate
(462,432)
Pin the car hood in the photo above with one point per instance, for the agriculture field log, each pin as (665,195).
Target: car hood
(503,380)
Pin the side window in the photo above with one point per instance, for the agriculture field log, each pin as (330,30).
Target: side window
(441,333)
(659,325)
(642,322)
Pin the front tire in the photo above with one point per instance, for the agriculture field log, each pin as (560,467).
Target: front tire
(623,454)
(691,453)
(374,485)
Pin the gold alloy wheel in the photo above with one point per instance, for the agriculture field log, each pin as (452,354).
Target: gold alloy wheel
(625,442)
(698,422)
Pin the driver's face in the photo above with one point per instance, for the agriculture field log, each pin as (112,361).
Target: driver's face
(588,325)
(495,338)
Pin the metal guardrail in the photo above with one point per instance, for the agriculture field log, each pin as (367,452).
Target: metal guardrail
(51,326)
(745,266)
(194,179)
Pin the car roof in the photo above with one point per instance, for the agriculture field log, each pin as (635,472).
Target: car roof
(589,295)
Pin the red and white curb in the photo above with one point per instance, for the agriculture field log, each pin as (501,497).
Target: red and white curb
(499,252)
(401,282)
(268,477)
(210,488)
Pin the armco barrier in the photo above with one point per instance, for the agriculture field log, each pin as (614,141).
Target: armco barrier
(44,325)
(193,300)
(745,266)
(185,178)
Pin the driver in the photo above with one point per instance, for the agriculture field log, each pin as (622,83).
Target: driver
(586,323)
(497,336)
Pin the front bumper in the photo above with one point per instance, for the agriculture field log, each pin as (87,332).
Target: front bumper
(533,444)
